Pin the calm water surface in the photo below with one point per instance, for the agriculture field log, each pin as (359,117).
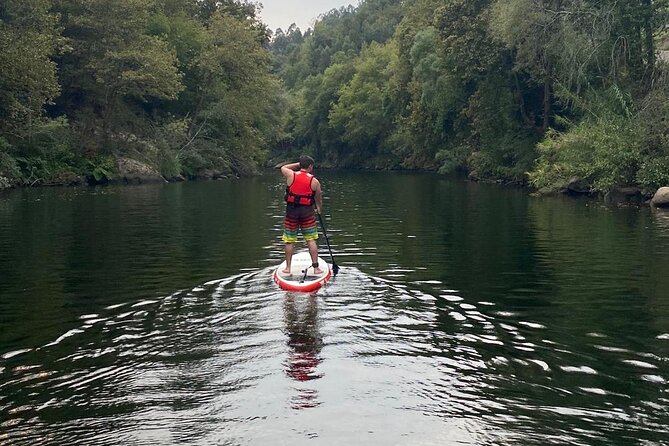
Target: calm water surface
(464,314)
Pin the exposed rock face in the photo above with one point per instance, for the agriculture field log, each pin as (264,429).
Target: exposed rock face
(134,172)
(661,198)
(66,179)
(209,174)
(578,186)
(622,195)
(176,178)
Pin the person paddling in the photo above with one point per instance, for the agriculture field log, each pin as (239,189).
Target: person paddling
(303,192)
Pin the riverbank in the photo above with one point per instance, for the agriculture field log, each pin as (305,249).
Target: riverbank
(128,171)
(122,170)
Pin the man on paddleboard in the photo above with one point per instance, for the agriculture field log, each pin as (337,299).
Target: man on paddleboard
(303,192)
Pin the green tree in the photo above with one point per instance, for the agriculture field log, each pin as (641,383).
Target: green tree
(237,111)
(364,113)
(114,67)
(311,128)
(28,41)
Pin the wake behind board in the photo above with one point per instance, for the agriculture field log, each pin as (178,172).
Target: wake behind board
(295,281)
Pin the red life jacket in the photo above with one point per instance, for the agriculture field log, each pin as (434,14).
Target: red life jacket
(299,192)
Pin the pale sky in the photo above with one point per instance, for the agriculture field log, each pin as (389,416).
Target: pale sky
(281,13)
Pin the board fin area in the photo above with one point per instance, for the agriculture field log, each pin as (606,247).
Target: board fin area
(296,280)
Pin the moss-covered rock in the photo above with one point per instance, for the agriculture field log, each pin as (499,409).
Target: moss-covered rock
(624,195)
(65,178)
(131,171)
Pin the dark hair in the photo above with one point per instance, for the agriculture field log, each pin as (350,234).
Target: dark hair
(306,161)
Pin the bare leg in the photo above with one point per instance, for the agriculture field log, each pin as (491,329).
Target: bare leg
(313,251)
(289,248)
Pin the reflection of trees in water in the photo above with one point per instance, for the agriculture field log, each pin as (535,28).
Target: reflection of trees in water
(661,219)
(305,343)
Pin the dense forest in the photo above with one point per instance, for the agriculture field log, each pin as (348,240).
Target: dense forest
(554,94)
(550,93)
(181,86)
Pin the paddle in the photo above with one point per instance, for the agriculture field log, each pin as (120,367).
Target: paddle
(335,268)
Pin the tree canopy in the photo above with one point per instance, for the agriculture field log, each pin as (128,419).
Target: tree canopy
(516,90)
(537,92)
(182,85)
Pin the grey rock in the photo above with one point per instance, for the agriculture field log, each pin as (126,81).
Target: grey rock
(205,174)
(661,198)
(578,186)
(548,191)
(176,179)
(624,195)
(131,171)
(66,179)
(209,174)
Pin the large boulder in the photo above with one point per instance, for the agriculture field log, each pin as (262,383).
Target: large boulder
(661,198)
(212,174)
(131,171)
(65,178)
(178,178)
(578,186)
(624,195)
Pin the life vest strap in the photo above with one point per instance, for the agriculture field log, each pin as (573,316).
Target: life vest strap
(299,200)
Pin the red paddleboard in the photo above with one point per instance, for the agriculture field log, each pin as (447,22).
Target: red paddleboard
(296,280)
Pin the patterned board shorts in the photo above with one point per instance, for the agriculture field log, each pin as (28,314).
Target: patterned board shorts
(299,218)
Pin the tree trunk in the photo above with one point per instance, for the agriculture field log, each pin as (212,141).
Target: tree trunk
(648,29)
(547,105)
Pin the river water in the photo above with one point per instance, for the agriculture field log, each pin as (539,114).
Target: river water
(463,314)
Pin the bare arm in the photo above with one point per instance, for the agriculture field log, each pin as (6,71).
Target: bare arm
(318,194)
(288,170)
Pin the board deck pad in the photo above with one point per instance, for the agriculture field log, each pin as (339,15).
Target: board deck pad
(296,281)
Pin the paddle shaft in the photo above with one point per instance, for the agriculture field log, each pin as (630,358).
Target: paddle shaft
(335,268)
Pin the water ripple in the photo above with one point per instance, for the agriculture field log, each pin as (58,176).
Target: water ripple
(368,358)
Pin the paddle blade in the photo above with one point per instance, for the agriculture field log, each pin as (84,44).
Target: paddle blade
(335,269)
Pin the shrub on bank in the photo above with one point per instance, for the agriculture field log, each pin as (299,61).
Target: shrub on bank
(603,149)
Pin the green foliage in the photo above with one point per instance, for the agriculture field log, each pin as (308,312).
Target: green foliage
(44,155)
(436,97)
(476,84)
(238,108)
(451,159)
(504,142)
(9,169)
(338,35)
(180,84)
(312,110)
(143,70)
(28,40)
(654,172)
(190,86)
(363,114)
(604,149)
(102,168)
